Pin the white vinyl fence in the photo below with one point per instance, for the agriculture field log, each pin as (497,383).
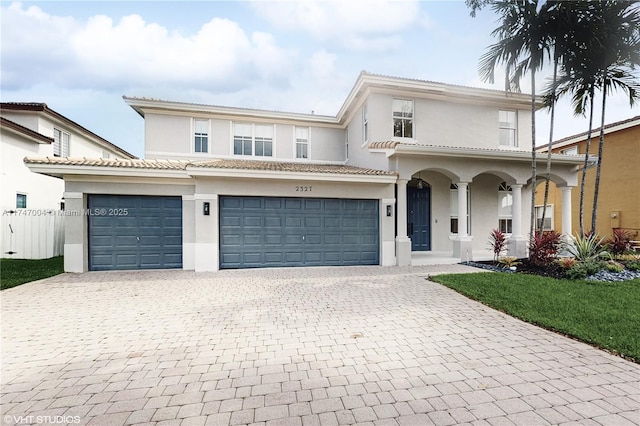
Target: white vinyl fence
(32,236)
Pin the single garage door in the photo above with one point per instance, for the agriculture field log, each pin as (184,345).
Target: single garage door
(267,232)
(134,232)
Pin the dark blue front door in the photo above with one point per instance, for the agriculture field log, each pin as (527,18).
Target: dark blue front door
(419,218)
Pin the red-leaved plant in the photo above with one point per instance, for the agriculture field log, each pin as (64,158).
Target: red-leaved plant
(498,243)
(543,248)
(620,241)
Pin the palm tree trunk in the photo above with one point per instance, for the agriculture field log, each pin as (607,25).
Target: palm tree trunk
(547,176)
(596,188)
(533,152)
(586,161)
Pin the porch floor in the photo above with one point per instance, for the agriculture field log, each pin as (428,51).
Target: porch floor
(421,258)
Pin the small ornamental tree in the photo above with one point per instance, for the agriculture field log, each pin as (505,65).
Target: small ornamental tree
(498,243)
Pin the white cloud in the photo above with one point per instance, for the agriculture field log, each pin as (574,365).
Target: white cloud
(356,24)
(101,53)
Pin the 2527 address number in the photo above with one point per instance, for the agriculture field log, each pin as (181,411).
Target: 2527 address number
(303,188)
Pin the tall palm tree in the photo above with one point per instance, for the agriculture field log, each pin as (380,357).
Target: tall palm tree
(620,54)
(599,58)
(522,44)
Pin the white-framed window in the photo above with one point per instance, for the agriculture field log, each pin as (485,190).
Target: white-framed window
(454,213)
(302,142)
(570,151)
(21,201)
(403,118)
(505,208)
(365,124)
(548,218)
(508,128)
(105,154)
(200,135)
(60,143)
(253,139)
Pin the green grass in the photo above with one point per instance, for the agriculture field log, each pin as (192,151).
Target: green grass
(606,315)
(14,272)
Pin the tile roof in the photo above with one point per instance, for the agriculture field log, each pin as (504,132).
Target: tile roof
(288,167)
(42,107)
(210,164)
(594,132)
(394,145)
(109,162)
(25,131)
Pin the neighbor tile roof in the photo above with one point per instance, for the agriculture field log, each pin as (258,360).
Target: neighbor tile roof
(25,131)
(210,164)
(42,107)
(594,132)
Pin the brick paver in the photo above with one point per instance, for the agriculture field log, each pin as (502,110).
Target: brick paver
(314,346)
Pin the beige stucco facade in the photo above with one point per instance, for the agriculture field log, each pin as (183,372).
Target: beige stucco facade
(619,198)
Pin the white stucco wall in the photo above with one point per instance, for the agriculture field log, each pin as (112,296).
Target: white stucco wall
(43,192)
(170,136)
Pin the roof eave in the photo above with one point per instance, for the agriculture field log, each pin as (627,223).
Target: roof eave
(60,170)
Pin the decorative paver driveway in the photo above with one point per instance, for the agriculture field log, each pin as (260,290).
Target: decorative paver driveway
(327,346)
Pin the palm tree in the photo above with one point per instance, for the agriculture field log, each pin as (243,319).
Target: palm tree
(599,58)
(620,54)
(522,43)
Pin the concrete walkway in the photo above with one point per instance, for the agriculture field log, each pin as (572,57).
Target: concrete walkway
(314,346)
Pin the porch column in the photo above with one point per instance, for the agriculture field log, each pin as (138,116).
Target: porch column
(462,243)
(517,245)
(566,211)
(403,243)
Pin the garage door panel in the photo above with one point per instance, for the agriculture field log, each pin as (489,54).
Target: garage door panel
(147,236)
(298,232)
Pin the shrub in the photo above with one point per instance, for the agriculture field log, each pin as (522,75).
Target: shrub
(567,262)
(586,248)
(613,266)
(508,261)
(582,270)
(633,265)
(497,242)
(619,242)
(543,248)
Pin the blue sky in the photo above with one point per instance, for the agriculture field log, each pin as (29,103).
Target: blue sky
(80,57)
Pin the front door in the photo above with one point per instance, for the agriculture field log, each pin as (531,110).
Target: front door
(419,218)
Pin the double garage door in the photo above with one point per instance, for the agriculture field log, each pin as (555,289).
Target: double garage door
(134,232)
(269,232)
(145,232)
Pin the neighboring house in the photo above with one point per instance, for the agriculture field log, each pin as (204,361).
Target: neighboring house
(618,198)
(28,130)
(406,169)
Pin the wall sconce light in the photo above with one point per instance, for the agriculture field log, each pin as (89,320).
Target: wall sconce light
(389,210)
(206,208)
(420,185)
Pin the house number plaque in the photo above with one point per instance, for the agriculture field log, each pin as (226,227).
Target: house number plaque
(303,188)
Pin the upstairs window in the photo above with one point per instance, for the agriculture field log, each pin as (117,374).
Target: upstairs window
(201,135)
(255,140)
(264,141)
(302,142)
(60,143)
(505,208)
(507,128)
(21,201)
(570,151)
(402,118)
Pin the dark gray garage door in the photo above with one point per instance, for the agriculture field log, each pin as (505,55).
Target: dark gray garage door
(134,232)
(261,232)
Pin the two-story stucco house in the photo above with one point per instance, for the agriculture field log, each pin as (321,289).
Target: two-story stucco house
(35,130)
(405,168)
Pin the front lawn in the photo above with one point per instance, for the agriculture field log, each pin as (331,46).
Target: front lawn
(602,314)
(14,272)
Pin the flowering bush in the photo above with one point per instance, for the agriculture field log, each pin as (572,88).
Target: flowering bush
(543,248)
